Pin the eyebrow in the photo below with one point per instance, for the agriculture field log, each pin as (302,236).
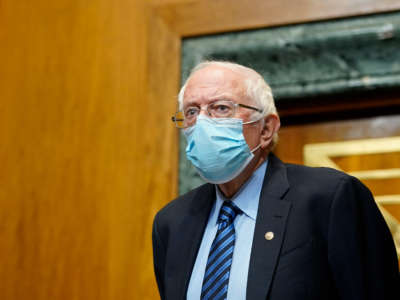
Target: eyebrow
(212,99)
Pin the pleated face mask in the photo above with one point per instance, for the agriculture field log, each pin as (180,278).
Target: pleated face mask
(217,148)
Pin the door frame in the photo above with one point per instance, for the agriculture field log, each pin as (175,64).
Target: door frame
(169,21)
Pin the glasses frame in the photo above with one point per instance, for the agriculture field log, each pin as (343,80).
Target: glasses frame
(177,119)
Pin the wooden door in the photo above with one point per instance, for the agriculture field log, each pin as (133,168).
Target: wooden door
(368,148)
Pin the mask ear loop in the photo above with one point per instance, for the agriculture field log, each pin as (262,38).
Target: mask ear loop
(256,148)
(263,123)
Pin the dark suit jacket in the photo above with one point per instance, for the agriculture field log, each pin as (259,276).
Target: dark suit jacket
(330,240)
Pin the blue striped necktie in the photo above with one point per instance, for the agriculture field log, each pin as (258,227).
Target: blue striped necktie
(216,276)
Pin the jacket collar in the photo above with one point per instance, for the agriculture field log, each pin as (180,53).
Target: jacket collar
(191,229)
(272,214)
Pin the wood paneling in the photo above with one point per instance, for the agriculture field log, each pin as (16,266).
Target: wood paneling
(292,138)
(154,179)
(367,161)
(88,152)
(55,123)
(209,16)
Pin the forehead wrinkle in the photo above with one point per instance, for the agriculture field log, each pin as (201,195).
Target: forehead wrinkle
(218,84)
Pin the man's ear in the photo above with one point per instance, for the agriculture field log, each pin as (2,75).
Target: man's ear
(271,126)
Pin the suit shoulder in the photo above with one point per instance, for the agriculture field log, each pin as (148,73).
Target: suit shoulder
(182,204)
(319,174)
(321,180)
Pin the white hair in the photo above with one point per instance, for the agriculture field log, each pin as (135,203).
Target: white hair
(256,88)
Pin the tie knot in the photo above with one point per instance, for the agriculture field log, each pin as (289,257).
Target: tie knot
(228,212)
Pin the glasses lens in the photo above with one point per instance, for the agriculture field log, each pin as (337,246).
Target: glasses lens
(221,109)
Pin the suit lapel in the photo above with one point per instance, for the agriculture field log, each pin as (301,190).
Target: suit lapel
(271,217)
(192,229)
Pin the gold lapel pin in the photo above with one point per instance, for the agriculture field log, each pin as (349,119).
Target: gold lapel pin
(269,235)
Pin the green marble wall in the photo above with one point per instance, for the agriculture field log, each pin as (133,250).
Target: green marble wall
(307,60)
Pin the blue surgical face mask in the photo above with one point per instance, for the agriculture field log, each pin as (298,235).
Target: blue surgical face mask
(217,148)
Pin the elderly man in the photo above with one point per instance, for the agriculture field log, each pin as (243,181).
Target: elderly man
(262,229)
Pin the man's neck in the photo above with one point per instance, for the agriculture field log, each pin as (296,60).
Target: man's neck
(229,189)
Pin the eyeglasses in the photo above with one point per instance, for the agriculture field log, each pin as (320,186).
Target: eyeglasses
(216,109)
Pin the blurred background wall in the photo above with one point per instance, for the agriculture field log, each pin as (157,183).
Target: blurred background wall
(86,155)
(87,150)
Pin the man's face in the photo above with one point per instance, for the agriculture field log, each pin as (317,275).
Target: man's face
(218,83)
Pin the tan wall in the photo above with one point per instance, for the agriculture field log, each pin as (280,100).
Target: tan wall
(87,151)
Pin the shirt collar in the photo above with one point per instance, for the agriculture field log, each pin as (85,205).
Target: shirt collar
(247,197)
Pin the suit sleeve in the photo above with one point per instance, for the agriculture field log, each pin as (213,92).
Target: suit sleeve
(361,251)
(158,258)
